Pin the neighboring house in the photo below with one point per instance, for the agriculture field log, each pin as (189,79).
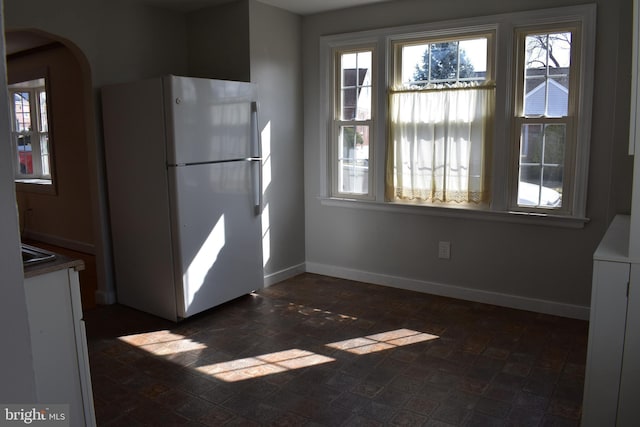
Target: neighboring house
(536,98)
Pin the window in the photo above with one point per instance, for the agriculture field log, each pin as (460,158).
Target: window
(30,131)
(544,122)
(440,120)
(353,122)
(484,116)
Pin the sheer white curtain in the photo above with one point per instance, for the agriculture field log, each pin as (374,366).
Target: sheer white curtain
(438,144)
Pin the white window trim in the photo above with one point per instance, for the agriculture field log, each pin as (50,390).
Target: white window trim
(505,26)
(371,123)
(327,95)
(586,16)
(35,111)
(30,183)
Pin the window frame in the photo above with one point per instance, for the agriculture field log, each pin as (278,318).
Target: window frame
(394,84)
(35,111)
(37,182)
(338,122)
(571,182)
(505,25)
(397,42)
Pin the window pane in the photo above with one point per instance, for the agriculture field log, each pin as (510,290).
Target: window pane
(25,154)
(349,96)
(528,187)
(363,111)
(444,62)
(44,136)
(542,154)
(531,144)
(44,122)
(552,178)
(552,50)
(415,64)
(547,62)
(558,95)
(44,154)
(554,141)
(353,168)
(22,110)
(473,58)
(355,85)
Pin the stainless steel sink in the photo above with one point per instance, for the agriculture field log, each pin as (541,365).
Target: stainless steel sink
(32,255)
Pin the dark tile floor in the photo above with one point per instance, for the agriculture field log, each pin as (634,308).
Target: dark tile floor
(320,351)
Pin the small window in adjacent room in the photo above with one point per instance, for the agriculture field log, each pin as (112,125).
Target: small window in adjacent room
(30,132)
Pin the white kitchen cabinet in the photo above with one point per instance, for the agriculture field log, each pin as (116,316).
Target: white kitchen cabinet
(629,396)
(612,377)
(58,340)
(612,386)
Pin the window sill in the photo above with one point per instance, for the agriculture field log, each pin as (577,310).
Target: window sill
(462,212)
(35,185)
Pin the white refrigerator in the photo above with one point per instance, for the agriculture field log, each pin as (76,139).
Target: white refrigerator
(183,173)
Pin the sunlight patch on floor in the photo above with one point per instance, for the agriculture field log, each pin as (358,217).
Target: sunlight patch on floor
(382,341)
(162,343)
(266,364)
(165,343)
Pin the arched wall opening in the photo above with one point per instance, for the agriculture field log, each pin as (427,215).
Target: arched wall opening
(70,220)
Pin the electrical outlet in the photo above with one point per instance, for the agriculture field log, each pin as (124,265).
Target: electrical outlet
(444,250)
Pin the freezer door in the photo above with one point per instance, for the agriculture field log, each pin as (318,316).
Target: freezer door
(208,120)
(218,235)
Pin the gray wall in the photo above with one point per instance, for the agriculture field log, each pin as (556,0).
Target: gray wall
(524,265)
(276,67)
(67,214)
(218,43)
(263,45)
(115,41)
(124,41)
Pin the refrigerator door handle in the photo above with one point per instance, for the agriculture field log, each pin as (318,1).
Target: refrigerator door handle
(256,172)
(256,146)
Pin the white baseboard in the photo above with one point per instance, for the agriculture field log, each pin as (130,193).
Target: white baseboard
(476,295)
(279,276)
(74,245)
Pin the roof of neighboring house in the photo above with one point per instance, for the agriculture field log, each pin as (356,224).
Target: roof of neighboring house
(534,101)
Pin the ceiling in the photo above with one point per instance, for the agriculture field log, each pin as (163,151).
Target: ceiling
(23,40)
(300,7)
(18,41)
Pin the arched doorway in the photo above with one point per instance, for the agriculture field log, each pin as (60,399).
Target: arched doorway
(66,218)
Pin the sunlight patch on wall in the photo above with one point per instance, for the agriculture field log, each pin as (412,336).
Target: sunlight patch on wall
(265,140)
(382,341)
(266,236)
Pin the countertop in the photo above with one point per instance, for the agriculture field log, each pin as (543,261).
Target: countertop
(60,262)
(614,246)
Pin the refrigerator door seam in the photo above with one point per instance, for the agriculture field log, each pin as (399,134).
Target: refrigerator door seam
(213,162)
